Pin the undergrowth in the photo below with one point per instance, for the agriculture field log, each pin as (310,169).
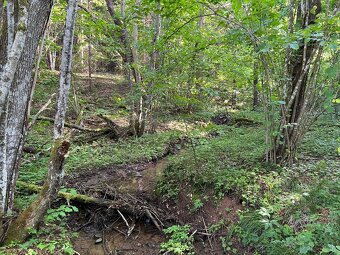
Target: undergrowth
(290,210)
(97,154)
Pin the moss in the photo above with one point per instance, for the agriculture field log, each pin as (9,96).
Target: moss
(21,27)
(18,230)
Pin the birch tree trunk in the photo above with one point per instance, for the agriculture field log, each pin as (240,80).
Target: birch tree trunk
(15,82)
(33,215)
(19,97)
(1,11)
(6,81)
(10,25)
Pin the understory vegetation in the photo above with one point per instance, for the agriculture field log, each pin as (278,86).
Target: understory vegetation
(286,210)
(172,127)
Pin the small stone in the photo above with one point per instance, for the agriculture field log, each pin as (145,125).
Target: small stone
(99,240)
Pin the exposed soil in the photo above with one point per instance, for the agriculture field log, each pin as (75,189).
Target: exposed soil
(125,234)
(112,236)
(135,179)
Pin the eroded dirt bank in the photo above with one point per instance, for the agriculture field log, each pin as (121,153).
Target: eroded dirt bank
(111,231)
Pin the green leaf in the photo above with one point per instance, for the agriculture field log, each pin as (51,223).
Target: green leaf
(236,5)
(294,45)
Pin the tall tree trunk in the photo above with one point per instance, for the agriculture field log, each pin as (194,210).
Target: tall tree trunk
(39,12)
(89,48)
(154,63)
(1,12)
(299,69)
(18,95)
(126,54)
(6,81)
(138,103)
(130,58)
(10,24)
(33,215)
(255,82)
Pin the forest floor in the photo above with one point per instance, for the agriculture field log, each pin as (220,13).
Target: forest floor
(209,182)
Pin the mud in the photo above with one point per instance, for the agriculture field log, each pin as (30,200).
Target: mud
(124,234)
(145,239)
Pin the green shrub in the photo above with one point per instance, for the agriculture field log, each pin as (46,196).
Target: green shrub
(180,241)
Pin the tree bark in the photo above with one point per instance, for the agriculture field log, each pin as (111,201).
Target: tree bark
(39,11)
(255,82)
(15,73)
(1,12)
(6,81)
(89,48)
(10,25)
(33,215)
(299,68)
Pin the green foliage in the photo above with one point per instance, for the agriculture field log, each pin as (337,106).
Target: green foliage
(302,219)
(97,154)
(326,143)
(53,238)
(59,213)
(220,163)
(180,241)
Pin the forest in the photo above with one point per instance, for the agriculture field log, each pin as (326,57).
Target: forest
(173,127)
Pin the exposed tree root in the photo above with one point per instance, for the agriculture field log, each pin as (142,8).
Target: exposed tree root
(124,203)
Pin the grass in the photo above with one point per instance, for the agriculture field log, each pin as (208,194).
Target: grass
(97,154)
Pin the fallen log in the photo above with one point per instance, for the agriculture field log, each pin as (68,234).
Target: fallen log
(127,204)
(113,130)
(81,128)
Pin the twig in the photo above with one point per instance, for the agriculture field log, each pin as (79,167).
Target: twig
(206,229)
(130,229)
(148,213)
(126,222)
(34,119)
(86,224)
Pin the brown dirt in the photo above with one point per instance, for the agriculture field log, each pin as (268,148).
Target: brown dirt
(140,181)
(143,240)
(135,179)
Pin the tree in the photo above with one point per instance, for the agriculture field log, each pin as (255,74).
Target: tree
(33,215)
(302,66)
(15,72)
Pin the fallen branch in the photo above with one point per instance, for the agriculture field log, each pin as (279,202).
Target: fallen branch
(70,125)
(129,204)
(34,119)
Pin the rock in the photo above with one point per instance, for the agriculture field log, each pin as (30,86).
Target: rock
(98,241)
